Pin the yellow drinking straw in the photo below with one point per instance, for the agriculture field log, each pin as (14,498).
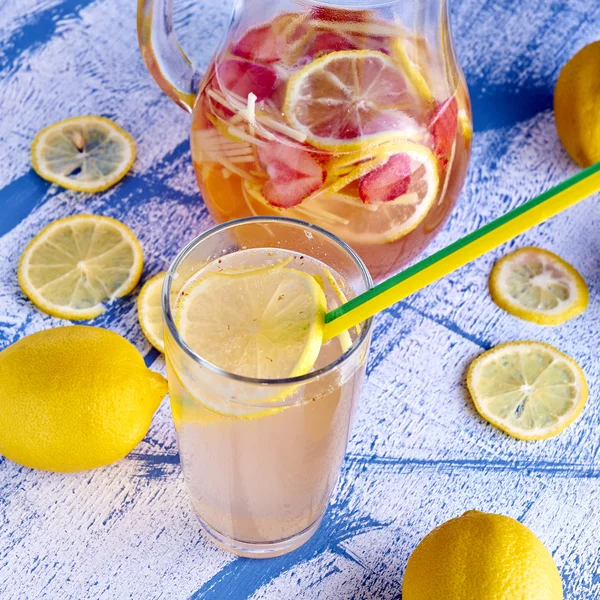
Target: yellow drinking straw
(462,251)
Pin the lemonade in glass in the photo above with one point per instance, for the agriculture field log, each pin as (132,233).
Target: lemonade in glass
(262,428)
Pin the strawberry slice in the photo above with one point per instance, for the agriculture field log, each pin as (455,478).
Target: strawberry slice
(387,182)
(443,125)
(328,42)
(261,45)
(293,174)
(243,77)
(340,15)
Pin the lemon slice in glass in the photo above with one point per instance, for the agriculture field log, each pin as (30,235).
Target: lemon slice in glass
(530,390)
(349,217)
(76,265)
(85,154)
(382,221)
(263,323)
(466,124)
(150,311)
(538,286)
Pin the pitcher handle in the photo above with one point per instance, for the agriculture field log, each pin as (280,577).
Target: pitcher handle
(164,58)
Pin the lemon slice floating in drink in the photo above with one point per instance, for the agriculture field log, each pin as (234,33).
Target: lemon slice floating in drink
(375,200)
(85,154)
(538,286)
(530,390)
(150,311)
(351,99)
(77,265)
(383,198)
(264,323)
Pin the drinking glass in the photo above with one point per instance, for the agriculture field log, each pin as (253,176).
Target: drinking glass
(261,457)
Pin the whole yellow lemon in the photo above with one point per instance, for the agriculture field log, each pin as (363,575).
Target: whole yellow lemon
(577,106)
(74,398)
(481,556)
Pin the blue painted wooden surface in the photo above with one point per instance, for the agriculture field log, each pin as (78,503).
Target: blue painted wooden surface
(419,453)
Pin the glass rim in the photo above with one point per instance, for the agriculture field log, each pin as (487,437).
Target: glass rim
(174,331)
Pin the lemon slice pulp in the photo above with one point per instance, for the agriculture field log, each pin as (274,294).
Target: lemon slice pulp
(76,265)
(150,311)
(530,390)
(85,154)
(351,99)
(263,323)
(538,286)
(381,222)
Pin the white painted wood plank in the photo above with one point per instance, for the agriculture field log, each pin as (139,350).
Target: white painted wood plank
(419,454)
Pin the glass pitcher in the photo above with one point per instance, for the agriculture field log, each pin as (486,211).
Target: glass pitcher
(354,116)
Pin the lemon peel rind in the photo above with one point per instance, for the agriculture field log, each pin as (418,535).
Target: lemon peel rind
(68,183)
(466,124)
(577,307)
(79,314)
(509,562)
(77,406)
(527,435)
(411,70)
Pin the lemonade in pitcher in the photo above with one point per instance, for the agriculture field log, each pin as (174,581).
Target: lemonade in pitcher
(340,118)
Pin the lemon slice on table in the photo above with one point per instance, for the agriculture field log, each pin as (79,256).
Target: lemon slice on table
(530,390)
(538,286)
(76,265)
(337,103)
(85,154)
(150,311)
